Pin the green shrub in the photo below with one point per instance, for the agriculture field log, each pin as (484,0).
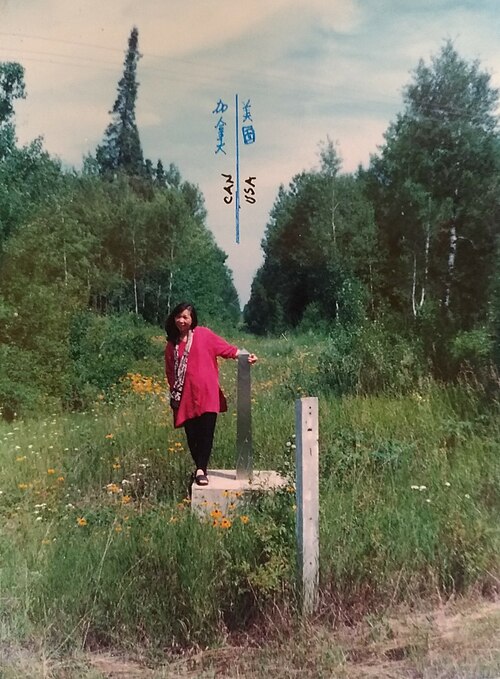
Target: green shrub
(19,394)
(367,360)
(473,350)
(313,320)
(104,348)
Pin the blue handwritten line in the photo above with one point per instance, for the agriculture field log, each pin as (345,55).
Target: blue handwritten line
(237,206)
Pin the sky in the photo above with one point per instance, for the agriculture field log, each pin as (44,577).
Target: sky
(310,70)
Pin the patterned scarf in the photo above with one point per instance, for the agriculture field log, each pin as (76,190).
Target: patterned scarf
(180,367)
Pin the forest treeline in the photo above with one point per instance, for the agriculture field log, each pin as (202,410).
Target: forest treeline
(398,263)
(400,259)
(92,261)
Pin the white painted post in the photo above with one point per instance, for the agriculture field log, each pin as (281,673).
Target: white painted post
(307,459)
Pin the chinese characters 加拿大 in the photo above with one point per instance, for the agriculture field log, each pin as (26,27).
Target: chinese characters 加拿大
(220,109)
(246,132)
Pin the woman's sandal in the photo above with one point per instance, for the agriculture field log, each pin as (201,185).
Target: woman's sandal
(201,480)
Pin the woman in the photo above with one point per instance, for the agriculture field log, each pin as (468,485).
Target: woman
(193,376)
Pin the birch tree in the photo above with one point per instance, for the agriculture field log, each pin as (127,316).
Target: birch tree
(434,190)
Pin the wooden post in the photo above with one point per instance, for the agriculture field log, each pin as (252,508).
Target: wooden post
(306,427)
(244,457)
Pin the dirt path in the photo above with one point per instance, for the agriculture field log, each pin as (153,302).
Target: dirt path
(459,640)
(452,641)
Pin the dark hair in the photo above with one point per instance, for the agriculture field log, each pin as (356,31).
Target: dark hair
(170,327)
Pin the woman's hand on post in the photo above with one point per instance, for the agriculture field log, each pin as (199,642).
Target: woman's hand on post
(252,358)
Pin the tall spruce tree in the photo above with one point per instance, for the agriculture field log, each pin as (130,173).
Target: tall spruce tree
(121,149)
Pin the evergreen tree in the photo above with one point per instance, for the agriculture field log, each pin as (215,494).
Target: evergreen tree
(160,176)
(121,149)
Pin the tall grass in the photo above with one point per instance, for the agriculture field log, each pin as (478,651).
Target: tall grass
(98,545)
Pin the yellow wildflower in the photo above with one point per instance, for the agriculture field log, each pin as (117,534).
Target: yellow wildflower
(216,514)
(109,436)
(22,486)
(118,529)
(117,465)
(126,499)
(60,479)
(225,523)
(81,521)
(144,385)
(51,471)
(244,519)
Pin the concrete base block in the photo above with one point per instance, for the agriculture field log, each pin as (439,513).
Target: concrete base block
(224,490)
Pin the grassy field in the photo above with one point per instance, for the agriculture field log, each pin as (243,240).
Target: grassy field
(99,551)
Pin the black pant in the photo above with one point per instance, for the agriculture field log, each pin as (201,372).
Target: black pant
(200,436)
